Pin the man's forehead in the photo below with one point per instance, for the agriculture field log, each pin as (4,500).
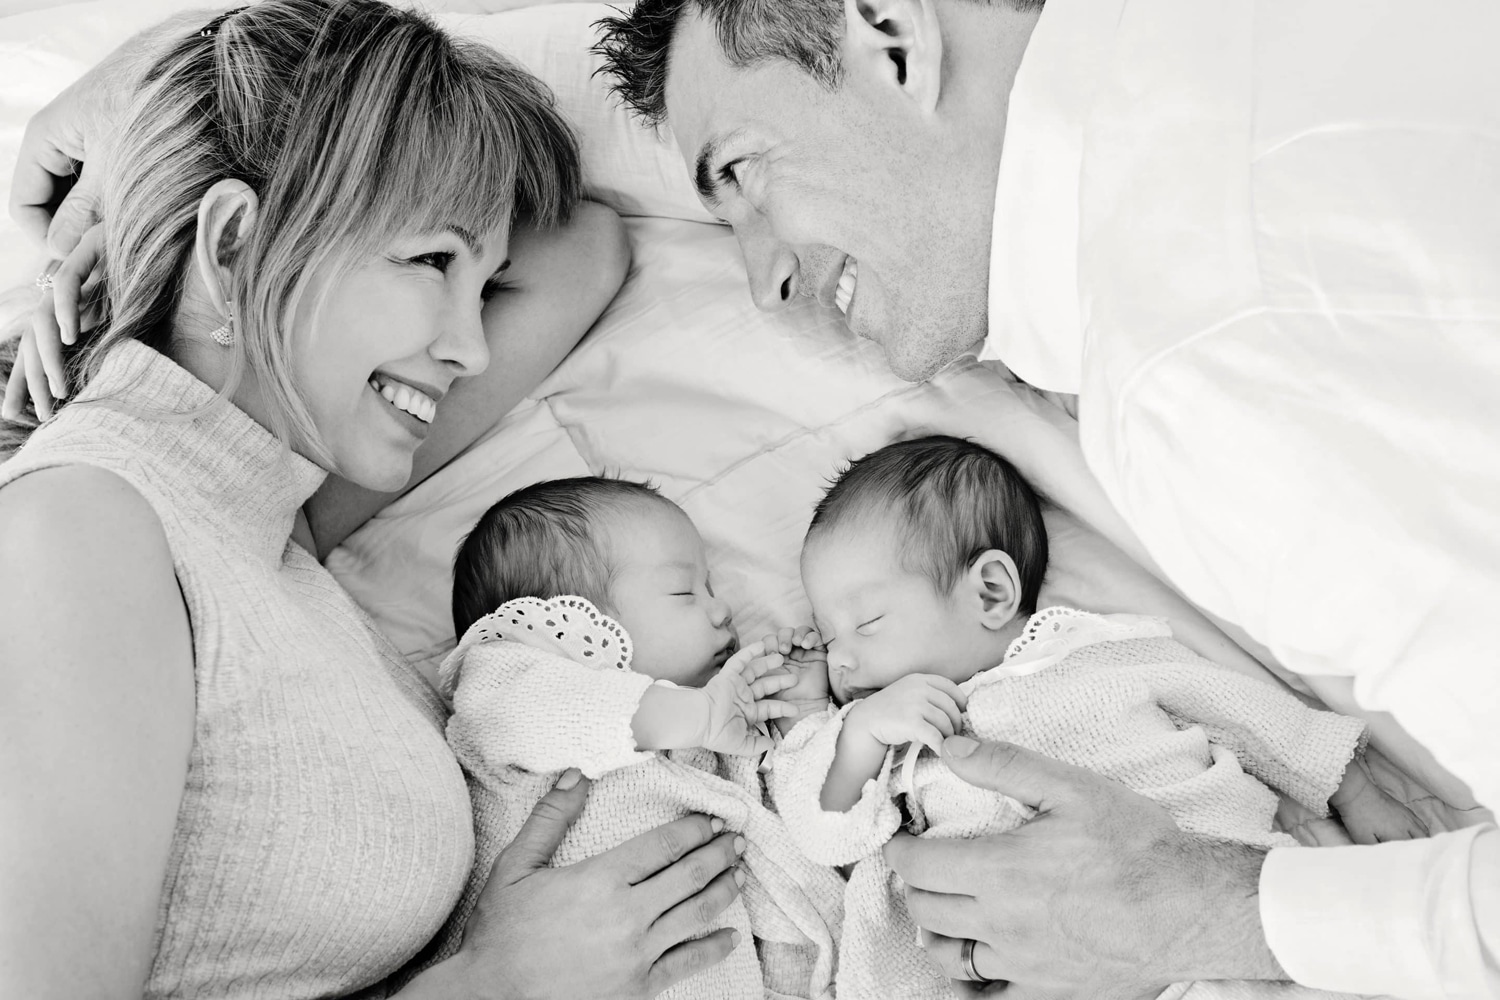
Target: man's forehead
(699,80)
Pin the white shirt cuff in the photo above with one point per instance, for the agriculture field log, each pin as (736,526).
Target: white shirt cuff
(1406,918)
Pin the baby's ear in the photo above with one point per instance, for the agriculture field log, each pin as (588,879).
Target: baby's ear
(996,586)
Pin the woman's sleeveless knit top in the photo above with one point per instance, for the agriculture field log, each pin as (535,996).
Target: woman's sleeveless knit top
(324,832)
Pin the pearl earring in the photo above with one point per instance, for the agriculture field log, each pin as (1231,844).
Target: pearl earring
(224,335)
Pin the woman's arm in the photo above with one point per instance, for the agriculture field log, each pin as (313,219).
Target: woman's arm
(558,283)
(96,724)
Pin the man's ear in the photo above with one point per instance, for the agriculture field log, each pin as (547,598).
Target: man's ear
(897,43)
(226,216)
(996,586)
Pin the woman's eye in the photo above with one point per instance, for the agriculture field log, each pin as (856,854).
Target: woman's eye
(439,260)
(492,288)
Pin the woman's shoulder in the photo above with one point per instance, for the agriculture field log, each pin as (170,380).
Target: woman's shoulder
(87,519)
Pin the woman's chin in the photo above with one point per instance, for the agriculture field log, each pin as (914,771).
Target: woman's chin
(386,476)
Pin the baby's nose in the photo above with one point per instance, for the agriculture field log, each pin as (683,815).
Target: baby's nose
(718,613)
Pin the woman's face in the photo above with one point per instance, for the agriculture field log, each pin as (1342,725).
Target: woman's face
(388,341)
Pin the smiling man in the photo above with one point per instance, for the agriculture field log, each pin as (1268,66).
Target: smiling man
(1261,241)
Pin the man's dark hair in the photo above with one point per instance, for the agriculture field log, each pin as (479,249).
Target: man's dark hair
(954,500)
(541,541)
(809,33)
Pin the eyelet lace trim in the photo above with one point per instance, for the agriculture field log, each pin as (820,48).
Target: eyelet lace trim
(568,626)
(1054,632)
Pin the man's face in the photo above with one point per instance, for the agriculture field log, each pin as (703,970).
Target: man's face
(849,197)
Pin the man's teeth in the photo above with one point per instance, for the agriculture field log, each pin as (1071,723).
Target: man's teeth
(404,397)
(847,281)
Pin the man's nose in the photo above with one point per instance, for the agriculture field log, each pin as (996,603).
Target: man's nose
(774,273)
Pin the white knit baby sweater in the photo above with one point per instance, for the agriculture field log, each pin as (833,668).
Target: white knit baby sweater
(1115,694)
(540,686)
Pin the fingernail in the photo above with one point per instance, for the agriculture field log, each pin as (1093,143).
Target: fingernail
(960,746)
(739,876)
(739,845)
(58,392)
(734,939)
(569,778)
(716,824)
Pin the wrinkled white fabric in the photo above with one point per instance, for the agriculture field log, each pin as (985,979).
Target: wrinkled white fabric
(1261,241)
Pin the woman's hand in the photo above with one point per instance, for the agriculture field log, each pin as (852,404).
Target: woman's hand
(627,923)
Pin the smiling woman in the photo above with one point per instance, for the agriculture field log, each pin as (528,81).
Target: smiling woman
(218,780)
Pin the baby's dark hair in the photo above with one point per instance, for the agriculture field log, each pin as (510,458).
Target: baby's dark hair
(541,541)
(954,499)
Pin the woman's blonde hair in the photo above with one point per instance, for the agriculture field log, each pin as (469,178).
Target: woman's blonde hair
(350,119)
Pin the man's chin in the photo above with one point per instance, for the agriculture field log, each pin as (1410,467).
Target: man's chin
(916,366)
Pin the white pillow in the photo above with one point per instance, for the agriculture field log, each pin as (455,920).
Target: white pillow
(626,166)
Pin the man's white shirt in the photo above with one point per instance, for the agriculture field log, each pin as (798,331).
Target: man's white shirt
(1261,242)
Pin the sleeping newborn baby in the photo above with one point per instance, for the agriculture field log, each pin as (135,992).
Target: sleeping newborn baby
(923,564)
(592,639)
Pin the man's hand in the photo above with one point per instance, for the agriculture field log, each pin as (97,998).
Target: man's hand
(917,708)
(1369,814)
(53,198)
(1099,894)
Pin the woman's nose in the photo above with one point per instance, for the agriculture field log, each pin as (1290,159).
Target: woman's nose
(463,345)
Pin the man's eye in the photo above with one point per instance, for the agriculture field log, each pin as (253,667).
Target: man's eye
(494,287)
(730,172)
(440,260)
(863,628)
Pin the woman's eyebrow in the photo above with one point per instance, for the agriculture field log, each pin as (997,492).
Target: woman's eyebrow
(470,240)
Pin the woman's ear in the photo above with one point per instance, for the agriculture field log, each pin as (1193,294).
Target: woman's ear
(996,585)
(897,44)
(226,216)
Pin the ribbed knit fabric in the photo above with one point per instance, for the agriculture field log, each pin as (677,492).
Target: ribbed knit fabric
(1143,710)
(324,832)
(523,711)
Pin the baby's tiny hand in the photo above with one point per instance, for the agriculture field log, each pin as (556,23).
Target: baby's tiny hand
(741,697)
(806,661)
(918,708)
(1371,815)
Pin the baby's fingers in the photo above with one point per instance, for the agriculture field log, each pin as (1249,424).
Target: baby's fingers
(941,701)
(757,668)
(939,721)
(771,684)
(806,637)
(744,655)
(765,711)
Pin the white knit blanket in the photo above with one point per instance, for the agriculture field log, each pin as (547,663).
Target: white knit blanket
(528,703)
(1115,694)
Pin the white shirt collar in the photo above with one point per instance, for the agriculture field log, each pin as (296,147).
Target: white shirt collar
(1035,324)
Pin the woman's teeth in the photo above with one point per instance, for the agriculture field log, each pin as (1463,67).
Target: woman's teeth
(847,281)
(404,397)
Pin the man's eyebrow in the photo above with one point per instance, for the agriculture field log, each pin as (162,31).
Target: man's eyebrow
(470,240)
(704,178)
